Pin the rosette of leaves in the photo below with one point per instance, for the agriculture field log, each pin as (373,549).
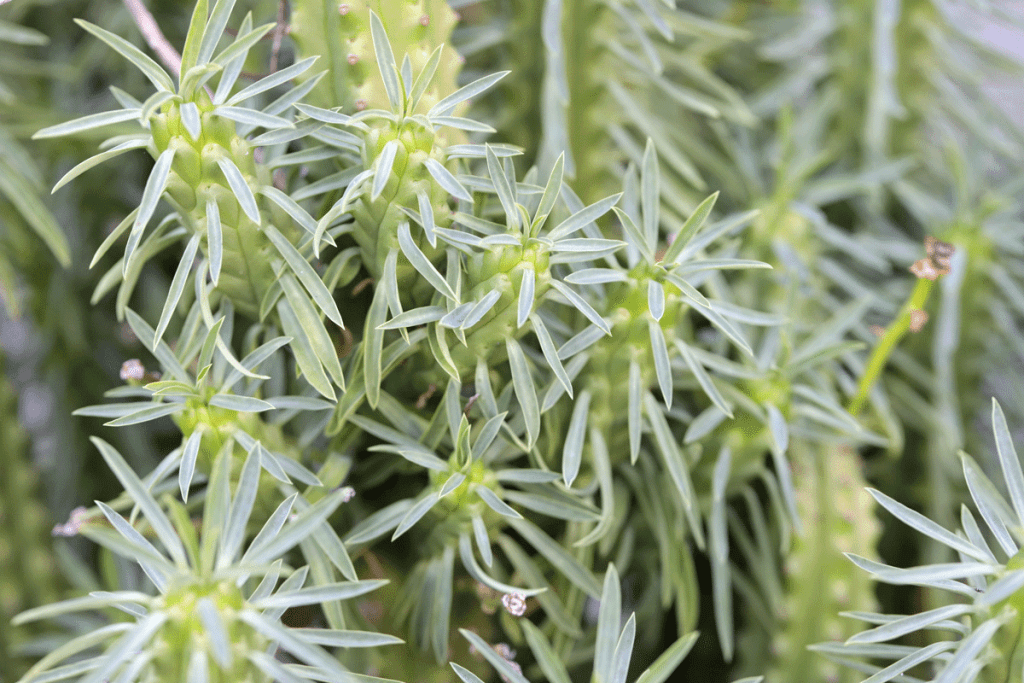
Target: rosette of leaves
(503,273)
(217,608)
(404,159)
(464,509)
(208,171)
(985,582)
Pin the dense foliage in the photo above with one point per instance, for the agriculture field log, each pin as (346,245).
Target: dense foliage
(417,340)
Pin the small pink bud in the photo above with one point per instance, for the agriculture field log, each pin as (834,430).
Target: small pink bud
(353,58)
(360,104)
(74,523)
(347,494)
(515,603)
(342,9)
(132,369)
(425,20)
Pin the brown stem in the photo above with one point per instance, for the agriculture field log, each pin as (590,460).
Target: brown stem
(154,36)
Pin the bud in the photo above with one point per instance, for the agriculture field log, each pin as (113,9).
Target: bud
(515,603)
(132,369)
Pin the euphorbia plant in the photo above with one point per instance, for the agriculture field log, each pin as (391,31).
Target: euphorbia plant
(448,408)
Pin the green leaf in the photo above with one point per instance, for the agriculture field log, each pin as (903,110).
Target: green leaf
(526,391)
(422,265)
(503,189)
(302,347)
(155,185)
(240,188)
(495,503)
(272,81)
(558,556)
(177,287)
(448,104)
(572,451)
(189,455)
(718,547)
(550,196)
(151,412)
(550,663)
(194,37)
(306,274)
(447,181)
(415,513)
(689,229)
(241,404)
(140,494)
(662,365)
(386,62)
(675,464)
(583,217)
(96,160)
(214,30)
(242,44)
(156,75)
(634,236)
(666,664)
(382,172)
(649,193)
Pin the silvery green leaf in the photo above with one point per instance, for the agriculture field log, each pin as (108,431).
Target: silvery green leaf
(416,513)
(525,301)
(777,427)
(466,675)
(299,403)
(149,68)
(928,574)
(550,196)
(296,646)
(595,276)
(241,507)
(115,235)
(635,409)
(503,189)
(312,328)
(910,661)
(303,525)
(572,450)
(420,262)
(251,117)
(453,482)
(456,318)
(702,265)
(324,115)
(547,347)
(386,62)
(493,658)
(623,651)
(306,274)
(140,494)
(374,346)
(608,619)
(272,81)
(662,365)
(747,315)
(320,594)
(526,392)
(481,308)
(379,523)
(656,299)
(142,549)
(914,622)
(1000,590)
(214,30)
(213,628)
(1008,460)
(558,556)
(666,664)
(417,316)
(241,404)
(448,104)
(240,188)
(149,412)
(487,434)
(674,462)
(878,569)
(550,663)
(919,522)
(527,476)
(427,217)
(424,78)
(689,229)
(583,217)
(188,462)
(96,160)
(382,172)
(970,648)
(580,342)
(633,235)
(581,249)
(580,304)
(718,547)
(214,239)
(416,454)
(990,504)
(495,503)
(292,208)
(460,123)
(343,638)
(155,185)
(483,543)
(177,286)
(649,193)
(554,503)
(125,648)
(253,359)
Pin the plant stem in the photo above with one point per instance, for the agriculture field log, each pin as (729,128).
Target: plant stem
(897,329)
(155,38)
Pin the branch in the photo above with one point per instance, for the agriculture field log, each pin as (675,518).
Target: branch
(154,36)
